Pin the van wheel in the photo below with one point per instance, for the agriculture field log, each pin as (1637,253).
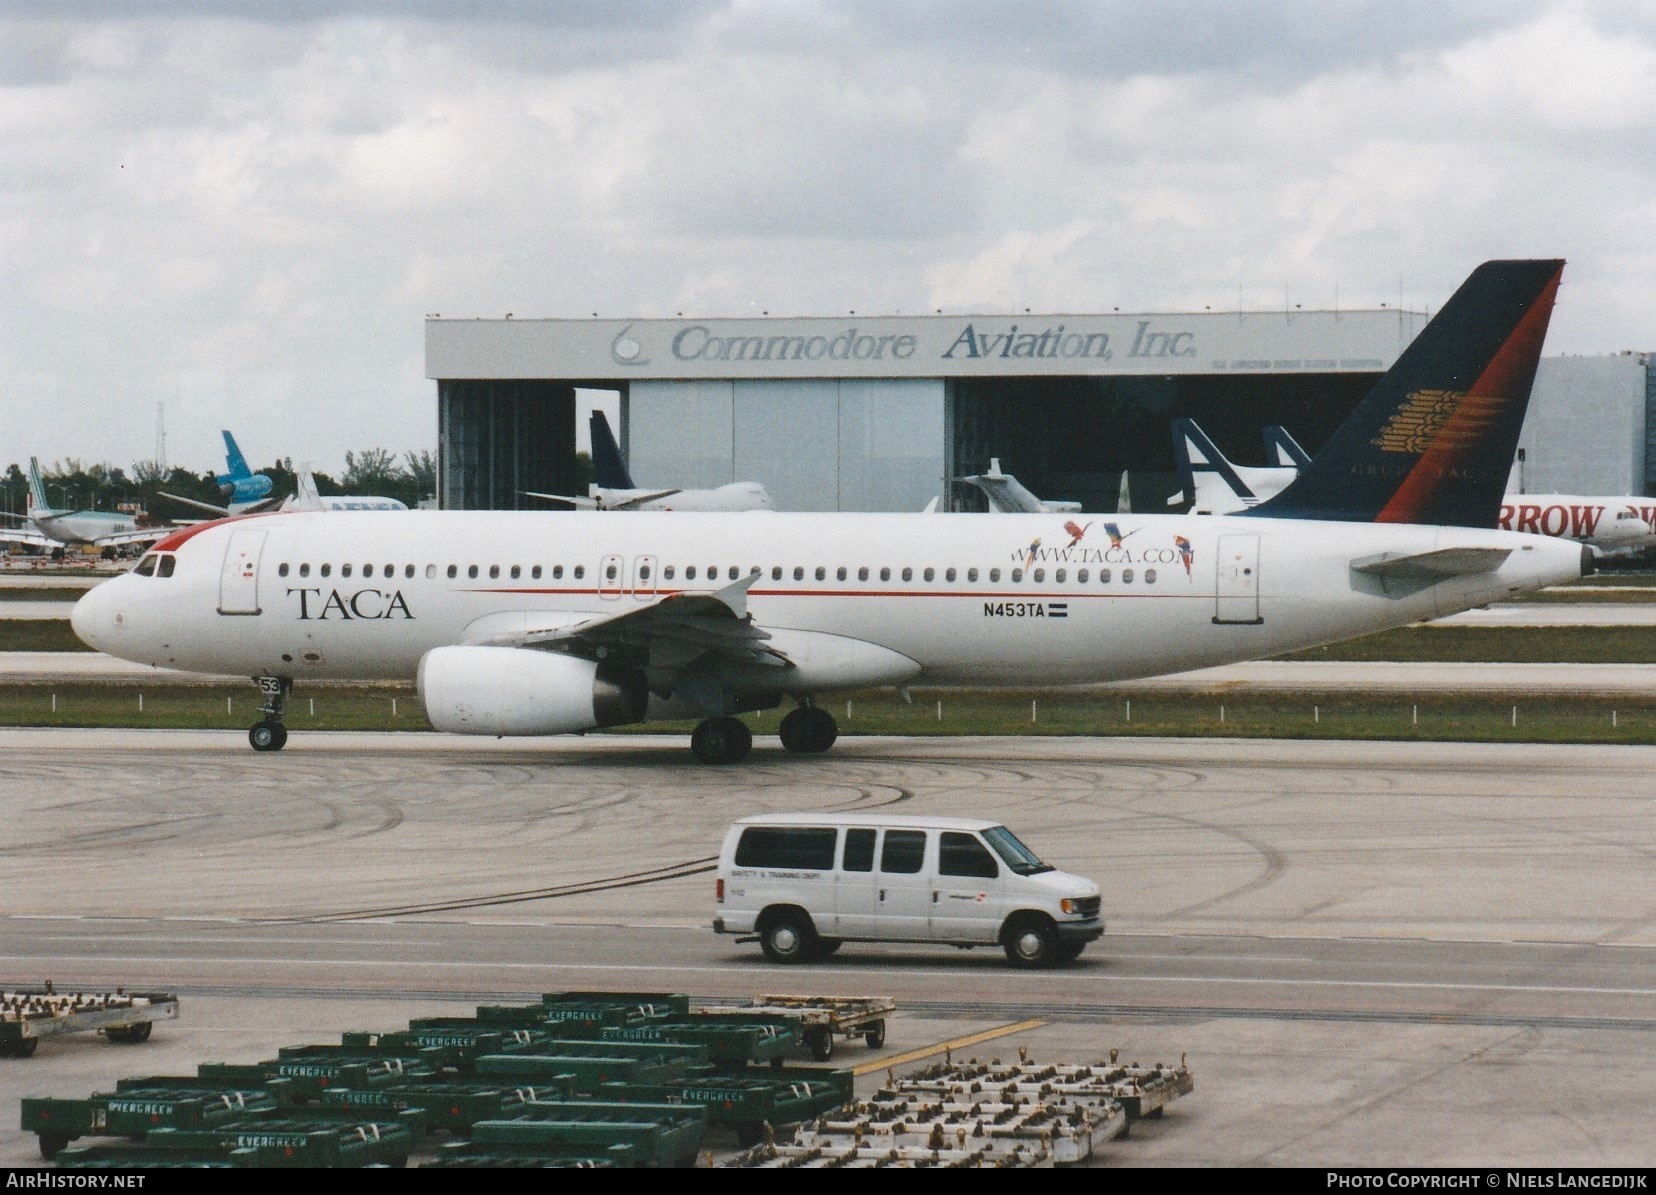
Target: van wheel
(788,937)
(1031,942)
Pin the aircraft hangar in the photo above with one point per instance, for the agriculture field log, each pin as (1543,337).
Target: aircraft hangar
(877,412)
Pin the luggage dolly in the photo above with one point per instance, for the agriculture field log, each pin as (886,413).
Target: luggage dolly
(823,1019)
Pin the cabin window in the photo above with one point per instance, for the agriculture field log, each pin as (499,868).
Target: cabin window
(281,569)
(1040,574)
(776,572)
(517,571)
(734,573)
(368,571)
(609,572)
(535,573)
(885,574)
(325,570)
(408,570)
(928,575)
(1149,576)
(667,573)
(690,573)
(949,576)
(821,574)
(862,573)
(994,574)
(494,571)
(1060,575)
(344,570)
(580,571)
(472,571)
(799,573)
(304,570)
(840,573)
(1103,576)
(1017,574)
(145,567)
(557,572)
(1081,576)
(453,571)
(431,571)
(643,572)
(1126,576)
(971,574)
(908,574)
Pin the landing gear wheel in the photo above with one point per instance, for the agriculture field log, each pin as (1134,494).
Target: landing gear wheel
(267,736)
(809,730)
(721,740)
(821,1044)
(1031,942)
(788,937)
(874,1035)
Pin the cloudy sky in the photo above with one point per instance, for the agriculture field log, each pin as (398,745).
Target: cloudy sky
(241,212)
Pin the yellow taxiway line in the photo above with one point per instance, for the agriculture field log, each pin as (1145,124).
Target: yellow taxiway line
(959,1043)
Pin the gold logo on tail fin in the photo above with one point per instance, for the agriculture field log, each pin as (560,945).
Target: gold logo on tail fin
(1423,422)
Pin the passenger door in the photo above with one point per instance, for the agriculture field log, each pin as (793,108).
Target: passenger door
(239,575)
(856,899)
(903,887)
(966,895)
(1237,595)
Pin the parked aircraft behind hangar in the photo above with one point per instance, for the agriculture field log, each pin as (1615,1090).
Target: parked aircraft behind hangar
(613,489)
(539,623)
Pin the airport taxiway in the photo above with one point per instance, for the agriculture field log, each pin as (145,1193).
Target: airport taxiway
(1377,954)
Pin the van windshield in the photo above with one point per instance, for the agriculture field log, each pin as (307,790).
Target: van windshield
(1018,857)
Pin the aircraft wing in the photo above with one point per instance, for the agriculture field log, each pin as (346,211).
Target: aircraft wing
(634,500)
(208,506)
(148,536)
(568,502)
(673,631)
(1444,562)
(29,537)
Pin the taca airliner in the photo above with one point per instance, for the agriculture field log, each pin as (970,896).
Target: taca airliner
(540,623)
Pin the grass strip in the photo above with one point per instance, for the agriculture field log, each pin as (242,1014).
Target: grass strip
(1436,717)
(38,634)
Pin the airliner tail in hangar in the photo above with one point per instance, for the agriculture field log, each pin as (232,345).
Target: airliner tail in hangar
(541,623)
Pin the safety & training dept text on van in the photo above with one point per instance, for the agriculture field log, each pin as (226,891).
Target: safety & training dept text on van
(805,883)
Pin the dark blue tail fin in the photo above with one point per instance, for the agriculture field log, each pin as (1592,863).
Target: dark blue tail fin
(1433,441)
(608,470)
(1282,451)
(1194,453)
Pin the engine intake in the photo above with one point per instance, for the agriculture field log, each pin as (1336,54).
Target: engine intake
(516,690)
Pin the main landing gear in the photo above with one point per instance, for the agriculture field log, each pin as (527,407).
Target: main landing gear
(809,730)
(721,740)
(270,734)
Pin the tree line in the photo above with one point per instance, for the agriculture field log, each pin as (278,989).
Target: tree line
(74,485)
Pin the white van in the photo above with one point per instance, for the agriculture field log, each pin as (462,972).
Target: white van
(803,883)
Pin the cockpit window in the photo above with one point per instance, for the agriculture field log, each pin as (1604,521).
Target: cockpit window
(145,567)
(164,565)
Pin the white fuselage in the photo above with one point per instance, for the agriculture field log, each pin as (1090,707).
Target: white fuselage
(1009,600)
(82,526)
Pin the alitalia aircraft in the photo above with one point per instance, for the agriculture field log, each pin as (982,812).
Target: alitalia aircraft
(542,623)
(55,529)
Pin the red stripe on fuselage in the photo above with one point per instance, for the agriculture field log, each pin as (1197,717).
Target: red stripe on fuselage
(184,535)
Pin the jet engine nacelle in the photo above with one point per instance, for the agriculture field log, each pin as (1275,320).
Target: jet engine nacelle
(516,690)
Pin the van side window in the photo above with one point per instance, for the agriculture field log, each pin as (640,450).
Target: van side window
(859,851)
(904,852)
(802,848)
(963,855)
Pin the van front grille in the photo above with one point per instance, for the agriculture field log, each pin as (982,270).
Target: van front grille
(1089,906)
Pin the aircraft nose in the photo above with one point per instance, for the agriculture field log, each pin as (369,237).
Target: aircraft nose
(91,617)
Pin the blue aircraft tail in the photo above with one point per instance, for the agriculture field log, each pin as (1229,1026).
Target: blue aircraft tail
(235,463)
(608,469)
(1434,440)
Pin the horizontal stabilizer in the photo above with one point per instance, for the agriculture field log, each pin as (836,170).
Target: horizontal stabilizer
(1444,562)
(568,503)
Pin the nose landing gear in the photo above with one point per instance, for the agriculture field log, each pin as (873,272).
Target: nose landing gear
(271,734)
